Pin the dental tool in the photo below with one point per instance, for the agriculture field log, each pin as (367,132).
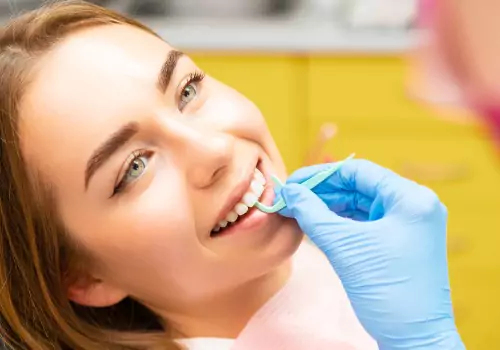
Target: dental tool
(310,184)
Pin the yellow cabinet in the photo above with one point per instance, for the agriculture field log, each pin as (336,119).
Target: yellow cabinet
(276,85)
(365,97)
(365,88)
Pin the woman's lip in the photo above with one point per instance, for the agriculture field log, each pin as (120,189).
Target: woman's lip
(254,218)
(237,194)
(251,221)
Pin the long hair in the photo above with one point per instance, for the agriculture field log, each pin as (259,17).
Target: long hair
(37,259)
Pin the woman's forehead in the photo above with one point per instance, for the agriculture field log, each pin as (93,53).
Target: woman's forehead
(96,73)
(88,86)
(105,55)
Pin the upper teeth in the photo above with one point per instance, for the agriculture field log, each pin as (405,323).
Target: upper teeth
(247,201)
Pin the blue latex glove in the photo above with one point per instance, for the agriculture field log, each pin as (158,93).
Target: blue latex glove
(385,236)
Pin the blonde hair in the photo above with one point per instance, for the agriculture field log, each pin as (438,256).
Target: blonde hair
(37,260)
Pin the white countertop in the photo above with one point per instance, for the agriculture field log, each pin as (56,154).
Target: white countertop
(277,35)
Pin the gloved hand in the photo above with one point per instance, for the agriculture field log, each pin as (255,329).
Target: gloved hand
(385,236)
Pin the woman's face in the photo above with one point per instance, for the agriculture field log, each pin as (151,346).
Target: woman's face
(147,157)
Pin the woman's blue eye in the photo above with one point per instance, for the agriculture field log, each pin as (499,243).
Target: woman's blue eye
(136,168)
(187,95)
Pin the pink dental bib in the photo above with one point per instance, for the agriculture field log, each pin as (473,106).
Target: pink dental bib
(312,311)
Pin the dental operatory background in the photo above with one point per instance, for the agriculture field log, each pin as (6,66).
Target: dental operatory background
(334,77)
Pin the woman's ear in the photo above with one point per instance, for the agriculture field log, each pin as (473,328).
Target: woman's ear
(89,291)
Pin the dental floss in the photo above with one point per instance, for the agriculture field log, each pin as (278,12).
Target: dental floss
(309,183)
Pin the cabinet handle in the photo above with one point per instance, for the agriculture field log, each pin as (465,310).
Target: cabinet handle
(436,172)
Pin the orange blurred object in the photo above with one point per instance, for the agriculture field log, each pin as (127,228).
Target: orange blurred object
(315,154)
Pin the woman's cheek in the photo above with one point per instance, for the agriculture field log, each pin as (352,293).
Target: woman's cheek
(229,111)
(163,211)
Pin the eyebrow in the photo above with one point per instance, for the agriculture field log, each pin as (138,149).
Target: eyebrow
(120,138)
(167,70)
(106,150)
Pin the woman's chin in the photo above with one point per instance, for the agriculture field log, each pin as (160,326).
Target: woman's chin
(275,254)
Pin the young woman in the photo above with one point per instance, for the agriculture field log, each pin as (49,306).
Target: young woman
(128,180)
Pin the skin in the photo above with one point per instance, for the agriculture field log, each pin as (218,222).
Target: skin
(152,240)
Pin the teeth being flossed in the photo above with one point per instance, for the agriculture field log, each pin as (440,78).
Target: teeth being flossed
(248,200)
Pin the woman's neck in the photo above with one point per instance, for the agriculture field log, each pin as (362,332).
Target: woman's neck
(230,312)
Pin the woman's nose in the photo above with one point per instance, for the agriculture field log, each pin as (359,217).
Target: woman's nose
(205,154)
(210,156)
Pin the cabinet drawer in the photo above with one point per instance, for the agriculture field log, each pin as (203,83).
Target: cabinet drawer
(359,87)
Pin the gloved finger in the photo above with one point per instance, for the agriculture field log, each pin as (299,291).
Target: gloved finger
(355,215)
(373,181)
(356,175)
(306,173)
(314,217)
(366,178)
(332,184)
(339,202)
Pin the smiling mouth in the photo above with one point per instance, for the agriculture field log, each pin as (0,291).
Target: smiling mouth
(244,206)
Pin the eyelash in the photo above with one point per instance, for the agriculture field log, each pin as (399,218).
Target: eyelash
(122,185)
(195,77)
